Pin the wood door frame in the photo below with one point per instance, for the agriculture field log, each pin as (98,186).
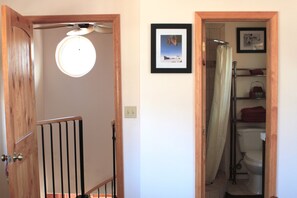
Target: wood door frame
(115,20)
(271,19)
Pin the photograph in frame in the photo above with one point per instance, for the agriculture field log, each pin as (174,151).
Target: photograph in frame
(251,40)
(171,48)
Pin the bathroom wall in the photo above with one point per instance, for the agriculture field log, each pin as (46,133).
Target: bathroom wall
(246,60)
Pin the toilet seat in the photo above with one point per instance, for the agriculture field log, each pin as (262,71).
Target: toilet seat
(254,157)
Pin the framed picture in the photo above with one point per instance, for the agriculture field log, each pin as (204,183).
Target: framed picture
(171,48)
(251,40)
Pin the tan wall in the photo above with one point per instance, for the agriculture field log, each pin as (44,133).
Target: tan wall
(90,96)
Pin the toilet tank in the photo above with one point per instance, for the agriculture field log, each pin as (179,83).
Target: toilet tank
(249,138)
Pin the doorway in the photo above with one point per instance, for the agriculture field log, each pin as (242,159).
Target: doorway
(115,21)
(271,20)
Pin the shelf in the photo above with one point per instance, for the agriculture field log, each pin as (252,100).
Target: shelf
(248,69)
(245,72)
(248,75)
(240,75)
(241,121)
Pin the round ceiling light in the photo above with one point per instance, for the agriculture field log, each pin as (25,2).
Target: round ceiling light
(75,56)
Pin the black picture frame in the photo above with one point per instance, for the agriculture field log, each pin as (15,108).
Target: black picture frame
(171,48)
(251,40)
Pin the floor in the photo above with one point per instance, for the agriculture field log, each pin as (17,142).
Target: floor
(218,188)
(222,188)
(242,196)
(239,188)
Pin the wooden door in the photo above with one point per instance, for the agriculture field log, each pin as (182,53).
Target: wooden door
(17,42)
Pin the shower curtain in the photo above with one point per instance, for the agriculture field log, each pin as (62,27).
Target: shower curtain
(219,115)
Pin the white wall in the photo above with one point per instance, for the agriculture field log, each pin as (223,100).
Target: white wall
(167,101)
(159,148)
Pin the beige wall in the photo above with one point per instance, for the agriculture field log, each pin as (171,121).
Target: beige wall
(90,96)
(38,72)
(129,10)
(3,148)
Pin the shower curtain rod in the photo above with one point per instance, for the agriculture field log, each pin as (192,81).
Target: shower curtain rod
(220,42)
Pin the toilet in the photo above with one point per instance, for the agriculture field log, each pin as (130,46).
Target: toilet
(250,144)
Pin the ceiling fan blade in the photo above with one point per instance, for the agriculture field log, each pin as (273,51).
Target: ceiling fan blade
(53,26)
(104,29)
(80,31)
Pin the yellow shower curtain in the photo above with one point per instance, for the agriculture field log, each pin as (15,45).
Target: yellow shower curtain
(219,114)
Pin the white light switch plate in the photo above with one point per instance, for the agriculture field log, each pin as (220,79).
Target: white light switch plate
(130,112)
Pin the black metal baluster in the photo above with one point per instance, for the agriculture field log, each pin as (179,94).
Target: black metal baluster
(98,193)
(105,188)
(43,160)
(81,152)
(61,159)
(114,158)
(75,156)
(52,157)
(67,153)
(112,195)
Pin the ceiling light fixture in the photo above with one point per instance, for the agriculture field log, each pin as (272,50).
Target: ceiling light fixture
(75,56)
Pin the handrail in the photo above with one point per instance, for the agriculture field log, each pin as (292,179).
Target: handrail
(57,120)
(99,185)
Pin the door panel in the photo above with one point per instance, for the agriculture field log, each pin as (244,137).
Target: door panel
(17,38)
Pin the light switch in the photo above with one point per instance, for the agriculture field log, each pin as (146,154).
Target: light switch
(130,112)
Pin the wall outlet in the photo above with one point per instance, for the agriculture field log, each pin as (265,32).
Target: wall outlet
(130,112)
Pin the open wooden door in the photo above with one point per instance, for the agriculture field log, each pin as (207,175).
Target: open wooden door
(19,93)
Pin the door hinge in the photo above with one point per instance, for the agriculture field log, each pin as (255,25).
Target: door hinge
(203,46)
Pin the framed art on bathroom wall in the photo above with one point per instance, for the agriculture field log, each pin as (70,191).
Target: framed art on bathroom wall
(251,40)
(171,48)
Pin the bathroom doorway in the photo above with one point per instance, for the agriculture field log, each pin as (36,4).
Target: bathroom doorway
(228,81)
(270,20)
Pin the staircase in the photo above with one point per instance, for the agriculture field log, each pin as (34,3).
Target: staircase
(62,153)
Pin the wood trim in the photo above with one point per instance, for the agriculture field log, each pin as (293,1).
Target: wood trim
(118,107)
(271,107)
(235,16)
(72,18)
(271,18)
(199,136)
(115,20)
